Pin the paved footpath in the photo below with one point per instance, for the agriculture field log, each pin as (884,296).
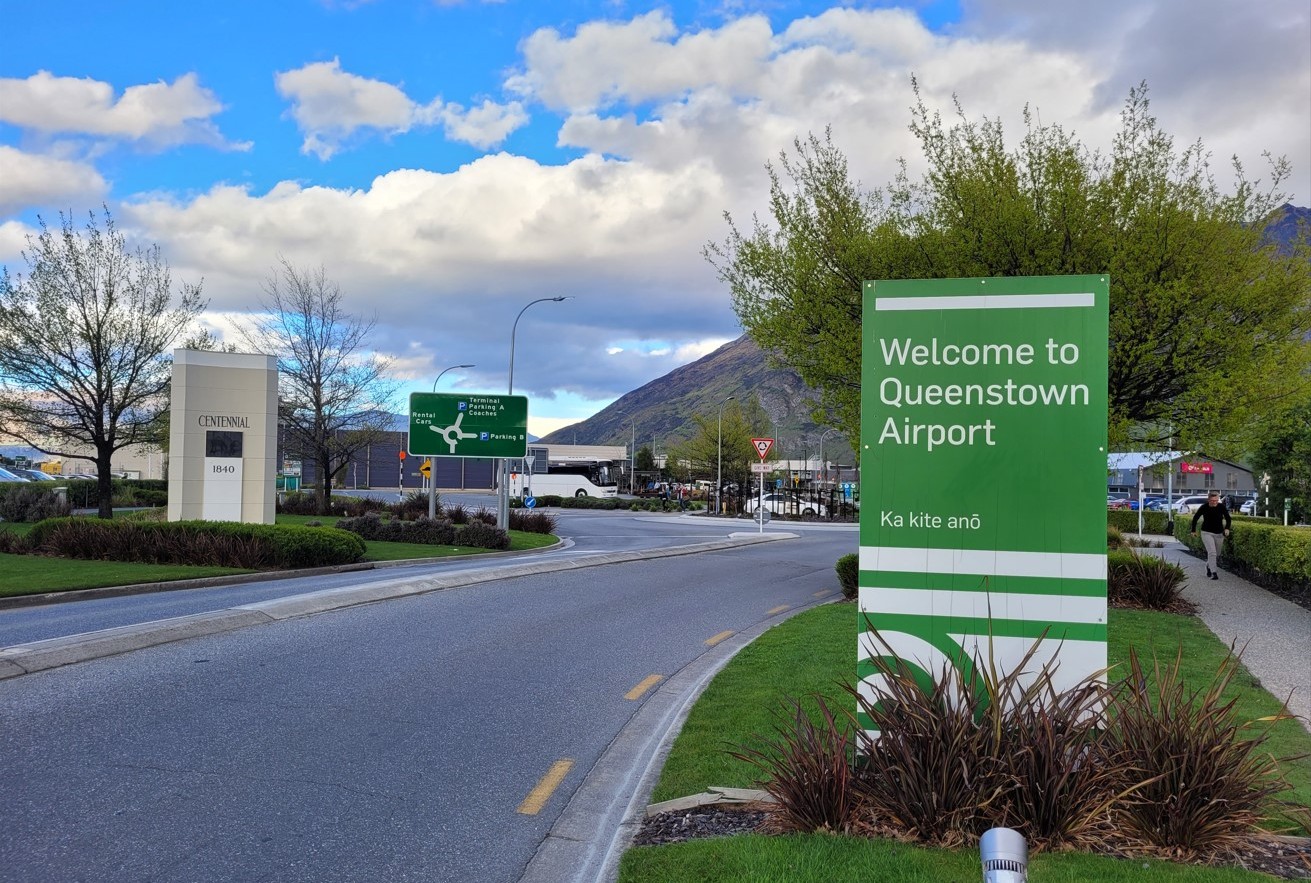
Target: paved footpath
(1276,632)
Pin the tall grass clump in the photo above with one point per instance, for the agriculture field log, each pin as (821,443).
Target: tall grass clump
(1213,786)
(1143,581)
(809,769)
(1139,764)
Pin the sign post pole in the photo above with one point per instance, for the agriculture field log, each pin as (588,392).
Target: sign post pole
(762,446)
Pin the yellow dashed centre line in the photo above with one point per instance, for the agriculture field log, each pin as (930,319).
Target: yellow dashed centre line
(647,683)
(779,609)
(715,639)
(536,799)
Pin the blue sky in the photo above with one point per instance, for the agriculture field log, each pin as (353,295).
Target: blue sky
(448,162)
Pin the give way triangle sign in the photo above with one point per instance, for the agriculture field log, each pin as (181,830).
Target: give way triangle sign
(762,446)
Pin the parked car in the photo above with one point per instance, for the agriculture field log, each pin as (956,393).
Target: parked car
(1114,502)
(1154,504)
(6,475)
(35,475)
(1189,505)
(1248,507)
(783,504)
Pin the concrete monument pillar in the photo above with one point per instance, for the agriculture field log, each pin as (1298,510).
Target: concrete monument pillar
(223,437)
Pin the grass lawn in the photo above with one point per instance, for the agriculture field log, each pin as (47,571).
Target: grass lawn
(824,858)
(815,652)
(32,575)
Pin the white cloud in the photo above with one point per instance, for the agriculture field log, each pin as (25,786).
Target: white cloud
(483,126)
(13,239)
(32,179)
(676,129)
(641,60)
(158,114)
(330,106)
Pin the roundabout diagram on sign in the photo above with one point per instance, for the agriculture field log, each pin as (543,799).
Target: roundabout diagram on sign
(452,434)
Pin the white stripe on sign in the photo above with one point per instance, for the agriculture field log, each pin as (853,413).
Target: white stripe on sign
(984,562)
(983,605)
(983,302)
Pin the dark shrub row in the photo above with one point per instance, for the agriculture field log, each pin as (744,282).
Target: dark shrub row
(30,502)
(220,543)
(392,530)
(476,534)
(480,535)
(532,521)
(590,503)
(348,507)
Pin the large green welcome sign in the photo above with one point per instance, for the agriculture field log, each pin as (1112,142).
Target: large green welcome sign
(983,465)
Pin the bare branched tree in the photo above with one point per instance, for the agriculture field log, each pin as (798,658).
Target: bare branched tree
(334,396)
(86,340)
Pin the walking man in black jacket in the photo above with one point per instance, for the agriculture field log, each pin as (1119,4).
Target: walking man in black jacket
(1215,527)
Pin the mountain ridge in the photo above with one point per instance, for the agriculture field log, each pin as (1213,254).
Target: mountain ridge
(661,410)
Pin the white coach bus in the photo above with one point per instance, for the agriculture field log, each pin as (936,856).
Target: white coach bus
(564,476)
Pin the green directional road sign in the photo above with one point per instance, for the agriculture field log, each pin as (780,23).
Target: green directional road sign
(477,425)
(983,463)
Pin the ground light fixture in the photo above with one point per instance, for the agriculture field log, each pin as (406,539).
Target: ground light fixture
(1005,856)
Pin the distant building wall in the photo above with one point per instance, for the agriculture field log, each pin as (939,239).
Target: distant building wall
(1225,477)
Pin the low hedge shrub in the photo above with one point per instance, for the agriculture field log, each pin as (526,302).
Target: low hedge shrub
(848,568)
(220,543)
(1269,554)
(1127,521)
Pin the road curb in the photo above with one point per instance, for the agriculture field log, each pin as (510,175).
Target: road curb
(586,841)
(29,658)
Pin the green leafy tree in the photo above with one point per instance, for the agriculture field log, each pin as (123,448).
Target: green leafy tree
(86,341)
(333,392)
(699,456)
(1285,455)
(644,460)
(1206,323)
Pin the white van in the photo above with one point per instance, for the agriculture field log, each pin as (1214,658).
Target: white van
(1189,505)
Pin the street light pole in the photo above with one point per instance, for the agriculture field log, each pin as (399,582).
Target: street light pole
(503,492)
(632,454)
(432,468)
(632,458)
(719,460)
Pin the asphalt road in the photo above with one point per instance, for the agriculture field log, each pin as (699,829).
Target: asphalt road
(586,532)
(393,741)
